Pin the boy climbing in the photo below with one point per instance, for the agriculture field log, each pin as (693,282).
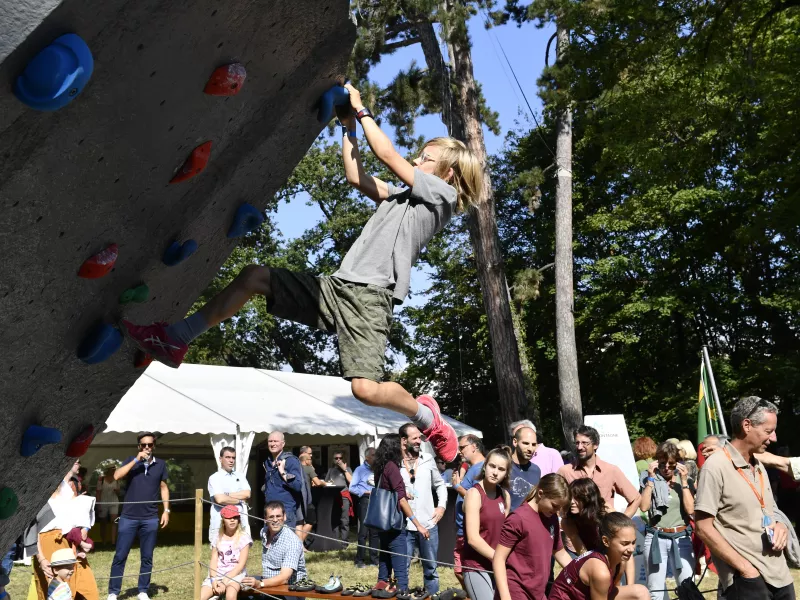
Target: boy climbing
(357,301)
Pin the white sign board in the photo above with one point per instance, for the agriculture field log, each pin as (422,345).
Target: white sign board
(615,447)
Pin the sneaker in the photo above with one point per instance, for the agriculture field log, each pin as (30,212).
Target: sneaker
(143,596)
(112,597)
(153,340)
(440,434)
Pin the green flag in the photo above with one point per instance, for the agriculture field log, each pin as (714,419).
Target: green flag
(706,415)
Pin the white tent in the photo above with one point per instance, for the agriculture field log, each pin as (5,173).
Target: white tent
(195,404)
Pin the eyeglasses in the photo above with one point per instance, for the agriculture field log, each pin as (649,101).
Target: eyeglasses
(670,466)
(581,444)
(425,157)
(142,445)
(760,404)
(461,448)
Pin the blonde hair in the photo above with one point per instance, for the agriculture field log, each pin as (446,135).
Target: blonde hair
(553,487)
(689,453)
(467,170)
(239,529)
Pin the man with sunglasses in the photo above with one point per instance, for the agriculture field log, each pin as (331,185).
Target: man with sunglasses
(146,479)
(422,479)
(735,509)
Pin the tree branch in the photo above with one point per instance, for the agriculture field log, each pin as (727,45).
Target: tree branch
(391,47)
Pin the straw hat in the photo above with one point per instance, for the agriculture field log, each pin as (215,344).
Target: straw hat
(63,557)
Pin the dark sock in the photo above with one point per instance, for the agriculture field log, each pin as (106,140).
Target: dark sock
(424,417)
(188,329)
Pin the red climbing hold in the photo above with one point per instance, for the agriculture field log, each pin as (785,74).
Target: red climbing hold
(100,264)
(195,164)
(142,360)
(80,444)
(226,80)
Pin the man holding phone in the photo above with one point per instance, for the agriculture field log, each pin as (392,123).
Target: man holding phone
(146,480)
(340,475)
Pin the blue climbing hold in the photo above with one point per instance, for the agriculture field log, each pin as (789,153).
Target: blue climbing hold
(102,341)
(36,436)
(336,96)
(177,252)
(246,219)
(55,76)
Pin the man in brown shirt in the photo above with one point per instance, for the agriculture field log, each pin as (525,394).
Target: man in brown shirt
(734,510)
(609,478)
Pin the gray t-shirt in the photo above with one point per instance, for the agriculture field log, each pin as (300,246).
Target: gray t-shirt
(394,236)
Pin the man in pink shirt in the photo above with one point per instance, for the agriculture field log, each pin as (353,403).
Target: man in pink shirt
(547,459)
(609,478)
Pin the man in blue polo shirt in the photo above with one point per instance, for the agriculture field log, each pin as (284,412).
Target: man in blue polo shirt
(146,479)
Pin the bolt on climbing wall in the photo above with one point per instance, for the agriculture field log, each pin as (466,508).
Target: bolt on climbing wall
(138,141)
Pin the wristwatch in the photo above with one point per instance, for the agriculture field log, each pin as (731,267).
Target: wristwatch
(166,510)
(261,583)
(364,112)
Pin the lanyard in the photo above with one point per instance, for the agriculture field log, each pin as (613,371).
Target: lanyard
(750,483)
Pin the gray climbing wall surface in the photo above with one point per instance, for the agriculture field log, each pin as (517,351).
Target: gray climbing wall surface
(96,172)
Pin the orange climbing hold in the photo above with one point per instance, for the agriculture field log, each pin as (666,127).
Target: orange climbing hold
(195,164)
(100,264)
(226,80)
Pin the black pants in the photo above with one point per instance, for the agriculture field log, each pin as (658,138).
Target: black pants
(757,589)
(342,530)
(363,533)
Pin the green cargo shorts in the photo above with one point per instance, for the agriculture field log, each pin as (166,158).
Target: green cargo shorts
(360,314)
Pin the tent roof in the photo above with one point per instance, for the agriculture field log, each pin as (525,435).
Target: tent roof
(215,399)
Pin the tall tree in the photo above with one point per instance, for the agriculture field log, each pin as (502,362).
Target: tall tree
(568,382)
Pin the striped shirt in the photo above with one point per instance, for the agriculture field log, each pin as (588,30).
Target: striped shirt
(284,550)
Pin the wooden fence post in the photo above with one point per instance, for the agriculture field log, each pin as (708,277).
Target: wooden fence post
(198,541)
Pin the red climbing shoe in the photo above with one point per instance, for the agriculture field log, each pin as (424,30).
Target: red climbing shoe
(153,340)
(441,434)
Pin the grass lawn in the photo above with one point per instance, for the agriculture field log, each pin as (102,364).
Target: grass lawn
(179,583)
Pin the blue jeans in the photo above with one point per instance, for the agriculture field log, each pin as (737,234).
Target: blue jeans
(7,564)
(129,529)
(393,541)
(428,549)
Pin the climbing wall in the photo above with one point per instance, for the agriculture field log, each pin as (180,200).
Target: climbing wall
(96,173)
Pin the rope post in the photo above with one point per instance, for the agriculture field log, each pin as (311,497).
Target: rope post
(198,540)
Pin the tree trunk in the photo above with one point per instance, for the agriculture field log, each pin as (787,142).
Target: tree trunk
(568,383)
(486,244)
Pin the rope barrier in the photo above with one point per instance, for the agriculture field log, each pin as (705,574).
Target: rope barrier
(357,545)
(159,501)
(172,568)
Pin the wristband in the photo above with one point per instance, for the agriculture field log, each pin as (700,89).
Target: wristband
(348,132)
(651,479)
(364,112)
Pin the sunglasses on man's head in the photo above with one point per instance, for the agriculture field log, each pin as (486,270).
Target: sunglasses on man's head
(760,404)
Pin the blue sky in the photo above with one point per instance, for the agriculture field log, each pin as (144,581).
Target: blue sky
(524,46)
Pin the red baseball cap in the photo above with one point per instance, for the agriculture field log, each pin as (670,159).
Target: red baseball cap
(229,512)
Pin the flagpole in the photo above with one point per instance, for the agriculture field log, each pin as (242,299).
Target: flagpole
(720,415)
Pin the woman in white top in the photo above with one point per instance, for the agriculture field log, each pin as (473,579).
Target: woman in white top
(108,491)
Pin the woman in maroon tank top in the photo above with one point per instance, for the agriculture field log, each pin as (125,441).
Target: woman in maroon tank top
(485,508)
(594,575)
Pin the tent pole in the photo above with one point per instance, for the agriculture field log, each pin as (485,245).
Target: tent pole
(198,540)
(720,416)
